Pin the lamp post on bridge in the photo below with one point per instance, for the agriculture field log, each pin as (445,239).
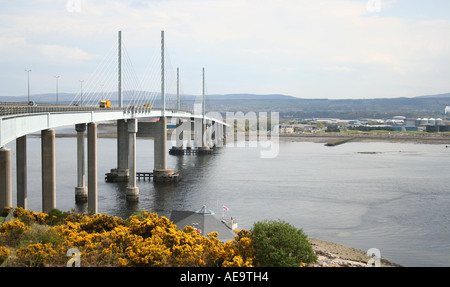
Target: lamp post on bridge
(57,77)
(28,71)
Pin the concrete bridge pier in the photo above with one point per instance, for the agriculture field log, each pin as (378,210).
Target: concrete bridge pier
(179,134)
(21,171)
(121,173)
(48,170)
(92,167)
(5,178)
(224,134)
(81,194)
(132,190)
(203,146)
(160,171)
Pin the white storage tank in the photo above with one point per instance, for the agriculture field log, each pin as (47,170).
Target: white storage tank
(424,121)
(432,121)
(439,122)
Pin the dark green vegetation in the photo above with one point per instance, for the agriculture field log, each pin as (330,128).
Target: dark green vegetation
(301,108)
(279,244)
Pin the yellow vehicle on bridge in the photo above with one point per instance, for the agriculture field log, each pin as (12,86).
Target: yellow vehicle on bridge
(105,104)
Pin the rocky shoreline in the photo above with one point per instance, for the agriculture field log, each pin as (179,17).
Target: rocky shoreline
(332,254)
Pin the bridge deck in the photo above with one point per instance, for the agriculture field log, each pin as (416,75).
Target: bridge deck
(20,120)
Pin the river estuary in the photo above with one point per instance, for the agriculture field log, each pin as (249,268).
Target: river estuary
(391,196)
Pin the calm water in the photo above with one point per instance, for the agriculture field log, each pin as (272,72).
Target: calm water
(396,200)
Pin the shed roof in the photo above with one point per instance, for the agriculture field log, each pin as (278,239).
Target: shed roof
(204,220)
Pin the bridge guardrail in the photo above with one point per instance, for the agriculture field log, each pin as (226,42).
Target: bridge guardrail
(14,109)
(8,108)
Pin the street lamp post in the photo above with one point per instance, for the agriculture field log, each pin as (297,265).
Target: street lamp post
(57,77)
(28,71)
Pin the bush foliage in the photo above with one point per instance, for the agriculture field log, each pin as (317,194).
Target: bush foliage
(279,244)
(144,239)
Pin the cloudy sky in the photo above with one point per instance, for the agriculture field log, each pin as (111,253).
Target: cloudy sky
(302,48)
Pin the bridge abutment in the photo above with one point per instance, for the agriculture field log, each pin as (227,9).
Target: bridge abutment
(48,170)
(5,178)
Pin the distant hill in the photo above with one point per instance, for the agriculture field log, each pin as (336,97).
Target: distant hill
(447,95)
(288,106)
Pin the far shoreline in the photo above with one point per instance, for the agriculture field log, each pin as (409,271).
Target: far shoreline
(425,138)
(108,130)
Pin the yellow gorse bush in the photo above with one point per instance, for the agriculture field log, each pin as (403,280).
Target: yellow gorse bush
(16,226)
(4,254)
(35,255)
(144,239)
(28,215)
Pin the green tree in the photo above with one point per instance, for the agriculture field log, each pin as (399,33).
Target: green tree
(332,129)
(279,244)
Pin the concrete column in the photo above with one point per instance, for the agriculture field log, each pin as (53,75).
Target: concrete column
(160,151)
(204,147)
(179,131)
(161,144)
(5,178)
(81,189)
(132,189)
(21,171)
(48,170)
(198,132)
(92,167)
(121,172)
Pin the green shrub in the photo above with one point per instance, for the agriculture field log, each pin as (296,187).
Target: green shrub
(279,244)
(40,234)
(56,217)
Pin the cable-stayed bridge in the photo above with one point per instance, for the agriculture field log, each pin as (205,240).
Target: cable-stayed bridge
(132,108)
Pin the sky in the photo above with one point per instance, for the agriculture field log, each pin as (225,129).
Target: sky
(302,48)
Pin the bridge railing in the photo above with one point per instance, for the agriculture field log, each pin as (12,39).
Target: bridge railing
(7,109)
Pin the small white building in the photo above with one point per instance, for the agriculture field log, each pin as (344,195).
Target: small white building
(286,129)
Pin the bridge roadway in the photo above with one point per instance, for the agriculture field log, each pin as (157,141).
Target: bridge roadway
(17,121)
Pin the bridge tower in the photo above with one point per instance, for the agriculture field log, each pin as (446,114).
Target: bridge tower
(119,91)
(121,172)
(203,148)
(160,171)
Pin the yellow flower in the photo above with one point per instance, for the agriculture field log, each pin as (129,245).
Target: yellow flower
(4,253)
(15,226)
(35,255)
